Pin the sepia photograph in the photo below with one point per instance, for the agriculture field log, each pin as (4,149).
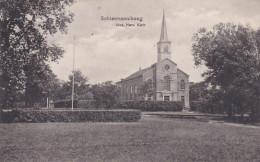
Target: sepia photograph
(130,80)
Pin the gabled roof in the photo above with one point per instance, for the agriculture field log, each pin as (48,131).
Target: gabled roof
(137,74)
(175,64)
(166,59)
(141,72)
(182,72)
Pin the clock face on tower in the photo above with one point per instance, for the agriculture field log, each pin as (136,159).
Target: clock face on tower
(167,67)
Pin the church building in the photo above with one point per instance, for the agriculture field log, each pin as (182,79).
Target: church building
(162,81)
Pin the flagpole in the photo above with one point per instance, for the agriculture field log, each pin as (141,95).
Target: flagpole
(72,95)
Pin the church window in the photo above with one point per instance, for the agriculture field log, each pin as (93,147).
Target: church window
(182,84)
(182,99)
(150,97)
(135,92)
(150,83)
(166,98)
(135,89)
(131,93)
(166,49)
(158,49)
(167,84)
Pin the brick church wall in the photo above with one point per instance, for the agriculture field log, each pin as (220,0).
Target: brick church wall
(183,92)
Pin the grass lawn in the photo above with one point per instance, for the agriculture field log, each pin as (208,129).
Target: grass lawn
(151,139)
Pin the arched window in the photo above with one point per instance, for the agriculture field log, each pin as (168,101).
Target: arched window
(182,84)
(135,92)
(183,99)
(166,49)
(150,83)
(167,81)
(131,93)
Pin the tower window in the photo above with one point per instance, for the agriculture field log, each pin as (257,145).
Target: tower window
(167,85)
(166,49)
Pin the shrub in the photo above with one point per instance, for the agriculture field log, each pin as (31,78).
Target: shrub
(86,104)
(61,115)
(65,104)
(1,115)
(207,107)
(6,116)
(152,105)
(197,106)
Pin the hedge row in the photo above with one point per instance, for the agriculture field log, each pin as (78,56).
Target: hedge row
(152,105)
(1,116)
(207,107)
(41,116)
(65,104)
(86,104)
(197,106)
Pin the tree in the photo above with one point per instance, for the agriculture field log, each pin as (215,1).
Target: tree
(25,52)
(147,88)
(49,87)
(1,89)
(198,91)
(206,98)
(80,84)
(105,95)
(40,86)
(231,52)
(81,88)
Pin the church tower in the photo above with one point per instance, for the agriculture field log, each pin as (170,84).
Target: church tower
(164,45)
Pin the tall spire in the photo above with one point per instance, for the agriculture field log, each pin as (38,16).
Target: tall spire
(164,45)
(164,36)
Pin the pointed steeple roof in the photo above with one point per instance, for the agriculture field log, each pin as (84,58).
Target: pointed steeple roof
(164,36)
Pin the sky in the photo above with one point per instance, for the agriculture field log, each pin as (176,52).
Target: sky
(106,52)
